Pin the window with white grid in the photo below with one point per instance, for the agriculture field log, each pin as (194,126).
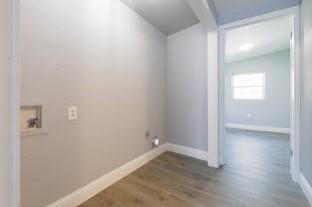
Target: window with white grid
(248,86)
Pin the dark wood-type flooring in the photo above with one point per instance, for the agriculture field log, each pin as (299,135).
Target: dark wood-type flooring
(256,175)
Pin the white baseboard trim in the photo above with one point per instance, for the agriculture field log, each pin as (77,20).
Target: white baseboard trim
(306,187)
(258,128)
(191,152)
(83,194)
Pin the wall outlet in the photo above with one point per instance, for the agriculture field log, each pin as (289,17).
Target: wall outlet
(155,142)
(72,112)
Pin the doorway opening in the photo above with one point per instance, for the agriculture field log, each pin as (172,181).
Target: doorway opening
(246,83)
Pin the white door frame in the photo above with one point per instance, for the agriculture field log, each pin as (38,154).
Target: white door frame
(217,131)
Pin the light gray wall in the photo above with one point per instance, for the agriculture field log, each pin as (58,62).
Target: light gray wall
(274,111)
(104,58)
(186,88)
(6,179)
(306,92)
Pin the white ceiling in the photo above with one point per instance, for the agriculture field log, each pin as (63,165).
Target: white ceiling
(169,16)
(233,10)
(261,38)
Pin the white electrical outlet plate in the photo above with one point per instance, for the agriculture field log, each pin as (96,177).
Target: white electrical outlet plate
(72,112)
(155,142)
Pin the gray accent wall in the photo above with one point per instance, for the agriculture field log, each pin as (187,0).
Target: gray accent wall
(187,88)
(306,92)
(108,61)
(6,157)
(274,110)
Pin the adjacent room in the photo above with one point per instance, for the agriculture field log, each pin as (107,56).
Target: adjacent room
(258,100)
(258,90)
(155,103)
(258,76)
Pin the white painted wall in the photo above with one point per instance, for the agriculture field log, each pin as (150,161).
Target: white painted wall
(6,155)
(274,110)
(109,62)
(187,88)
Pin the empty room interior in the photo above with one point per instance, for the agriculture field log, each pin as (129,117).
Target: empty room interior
(257,95)
(156,103)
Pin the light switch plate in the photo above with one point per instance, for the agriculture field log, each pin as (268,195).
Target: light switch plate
(72,112)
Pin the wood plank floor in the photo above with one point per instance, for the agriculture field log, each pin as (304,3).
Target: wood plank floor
(256,175)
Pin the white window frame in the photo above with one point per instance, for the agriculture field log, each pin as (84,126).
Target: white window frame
(248,99)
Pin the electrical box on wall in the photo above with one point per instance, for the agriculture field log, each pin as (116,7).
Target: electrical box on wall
(31,121)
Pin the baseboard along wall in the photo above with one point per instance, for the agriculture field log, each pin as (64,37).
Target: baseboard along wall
(258,128)
(83,194)
(191,152)
(306,187)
